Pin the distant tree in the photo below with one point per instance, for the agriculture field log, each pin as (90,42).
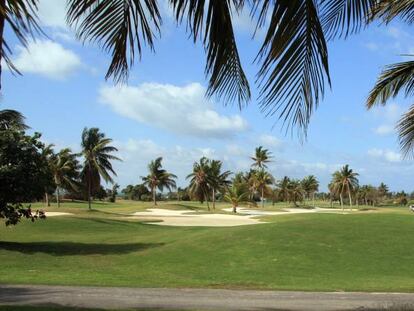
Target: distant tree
(295,191)
(12,119)
(97,153)
(217,179)
(236,195)
(65,170)
(344,181)
(261,157)
(23,174)
(283,186)
(263,182)
(114,193)
(199,187)
(383,191)
(310,185)
(158,178)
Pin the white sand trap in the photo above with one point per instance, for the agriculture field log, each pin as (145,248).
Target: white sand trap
(285,211)
(53,214)
(188,218)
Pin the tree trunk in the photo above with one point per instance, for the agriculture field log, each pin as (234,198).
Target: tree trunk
(89,186)
(350,198)
(214,199)
(342,202)
(206,197)
(57,196)
(234,208)
(313,199)
(262,197)
(154,196)
(47,203)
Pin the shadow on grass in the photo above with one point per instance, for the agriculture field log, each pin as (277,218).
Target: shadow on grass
(72,248)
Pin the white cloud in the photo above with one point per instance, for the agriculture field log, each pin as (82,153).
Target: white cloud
(52,13)
(47,58)
(385,155)
(384,129)
(182,110)
(269,141)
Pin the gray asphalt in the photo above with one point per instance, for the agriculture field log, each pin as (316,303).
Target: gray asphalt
(195,299)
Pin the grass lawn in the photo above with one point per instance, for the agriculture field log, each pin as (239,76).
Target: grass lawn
(362,251)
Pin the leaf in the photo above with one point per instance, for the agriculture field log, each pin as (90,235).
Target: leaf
(120,27)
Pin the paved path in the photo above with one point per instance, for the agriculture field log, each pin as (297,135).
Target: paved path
(194,299)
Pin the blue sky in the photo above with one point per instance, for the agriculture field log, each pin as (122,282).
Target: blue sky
(162,110)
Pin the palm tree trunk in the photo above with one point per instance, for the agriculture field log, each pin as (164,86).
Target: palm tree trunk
(214,199)
(350,198)
(234,208)
(89,186)
(313,199)
(154,196)
(262,197)
(57,196)
(47,203)
(342,202)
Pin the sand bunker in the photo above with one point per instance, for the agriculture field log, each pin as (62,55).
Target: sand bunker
(53,214)
(244,216)
(189,218)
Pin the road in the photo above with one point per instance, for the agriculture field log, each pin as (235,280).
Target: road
(195,299)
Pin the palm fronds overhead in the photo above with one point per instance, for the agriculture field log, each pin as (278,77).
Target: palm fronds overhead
(121,27)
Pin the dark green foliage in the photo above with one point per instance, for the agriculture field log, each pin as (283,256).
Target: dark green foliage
(24,174)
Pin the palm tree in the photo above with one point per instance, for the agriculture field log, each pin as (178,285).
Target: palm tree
(97,154)
(283,186)
(383,190)
(158,178)
(12,119)
(263,182)
(199,180)
(310,185)
(345,180)
(64,167)
(261,157)
(217,180)
(236,194)
(295,191)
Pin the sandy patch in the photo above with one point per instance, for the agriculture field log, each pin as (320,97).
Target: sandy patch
(53,214)
(189,218)
(285,211)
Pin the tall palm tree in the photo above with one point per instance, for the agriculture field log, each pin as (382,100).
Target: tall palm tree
(264,180)
(310,185)
(64,167)
(217,180)
(12,119)
(261,157)
(158,178)
(383,190)
(98,154)
(345,180)
(47,154)
(199,180)
(236,195)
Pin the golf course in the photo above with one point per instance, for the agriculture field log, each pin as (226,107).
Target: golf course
(363,250)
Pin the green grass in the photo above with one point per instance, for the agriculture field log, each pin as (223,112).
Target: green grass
(363,251)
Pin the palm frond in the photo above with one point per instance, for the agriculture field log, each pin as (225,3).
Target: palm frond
(294,62)
(227,79)
(391,81)
(405,129)
(340,18)
(387,10)
(120,27)
(21,17)
(11,118)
